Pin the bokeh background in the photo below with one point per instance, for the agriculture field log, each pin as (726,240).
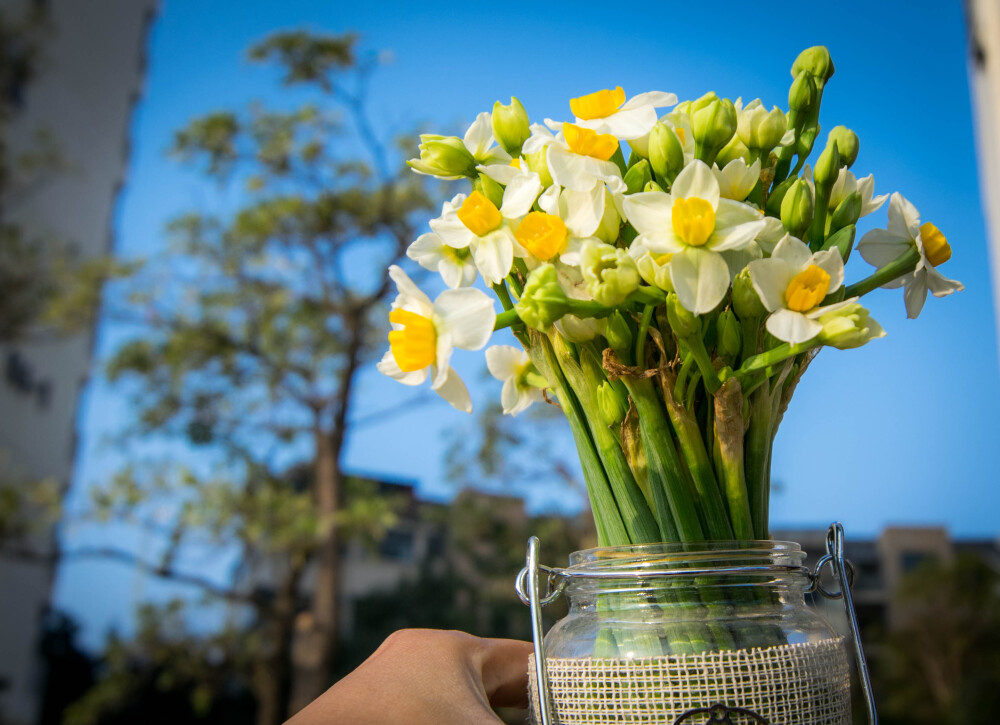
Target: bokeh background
(158,435)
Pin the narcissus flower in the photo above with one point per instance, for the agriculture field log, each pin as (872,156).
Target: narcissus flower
(454,264)
(425,333)
(848,326)
(513,367)
(879,247)
(449,157)
(792,285)
(736,179)
(607,112)
(695,225)
(521,187)
(473,222)
(578,157)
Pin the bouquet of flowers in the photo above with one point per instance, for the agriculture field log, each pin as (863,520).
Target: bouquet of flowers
(668,301)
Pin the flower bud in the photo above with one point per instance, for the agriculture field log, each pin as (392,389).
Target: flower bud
(611,403)
(611,223)
(802,95)
(729,336)
(618,333)
(683,322)
(609,273)
(489,188)
(797,208)
(652,186)
(733,150)
(816,61)
(666,155)
(778,195)
(538,162)
(637,177)
(698,103)
(827,166)
(543,300)
(510,126)
(848,327)
(655,270)
(443,156)
(760,129)
(746,302)
(714,124)
(848,211)
(848,144)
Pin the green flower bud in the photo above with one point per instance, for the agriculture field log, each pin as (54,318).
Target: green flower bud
(510,126)
(847,212)
(816,61)
(760,129)
(778,195)
(698,104)
(655,270)
(746,302)
(827,166)
(618,333)
(735,149)
(611,223)
(683,322)
(666,155)
(803,93)
(728,334)
(685,106)
(638,176)
(797,208)
(543,300)
(611,403)
(714,124)
(538,163)
(489,188)
(848,327)
(848,144)
(652,186)
(443,156)
(609,273)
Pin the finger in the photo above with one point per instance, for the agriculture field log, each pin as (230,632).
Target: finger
(504,670)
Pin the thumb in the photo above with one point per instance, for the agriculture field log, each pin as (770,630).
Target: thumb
(503,665)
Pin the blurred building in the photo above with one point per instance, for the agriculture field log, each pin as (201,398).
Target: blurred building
(881,565)
(90,67)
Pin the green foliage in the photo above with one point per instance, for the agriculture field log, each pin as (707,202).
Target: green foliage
(307,58)
(942,665)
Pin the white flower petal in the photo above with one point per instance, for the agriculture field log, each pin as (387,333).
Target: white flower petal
(879,247)
(792,327)
(772,233)
(794,251)
(915,293)
(479,136)
(452,389)
(904,219)
(941,286)
(655,99)
(410,296)
(494,255)
(832,263)
(700,278)
(770,278)
(582,211)
(539,139)
(696,180)
(737,259)
(466,315)
(737,180)
(500,174)
(520,194)
(582,173)
(624,124)
(503,361)
(649,211)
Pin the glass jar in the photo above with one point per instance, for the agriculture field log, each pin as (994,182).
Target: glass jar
(660,632)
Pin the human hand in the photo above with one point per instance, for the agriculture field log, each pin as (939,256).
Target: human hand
(427,677)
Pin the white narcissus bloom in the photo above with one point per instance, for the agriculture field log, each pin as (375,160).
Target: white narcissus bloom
(695,225)
(473,222)
(511,366)
(879,247)
(578,158)
(792,284)
(425,333)
(608,112)
(521,187)
(736,179)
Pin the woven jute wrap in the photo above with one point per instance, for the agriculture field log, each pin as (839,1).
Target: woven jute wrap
(797,684)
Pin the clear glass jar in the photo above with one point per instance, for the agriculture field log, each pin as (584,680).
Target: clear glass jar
(664,629)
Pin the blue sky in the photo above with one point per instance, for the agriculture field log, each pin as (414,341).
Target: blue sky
(899,432)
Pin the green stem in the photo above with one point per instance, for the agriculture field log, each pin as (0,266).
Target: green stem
(680,386)
(708,373)
(607,518)
(729,435)
(506,319)
(773,356)
(501,291)
(758,459)
(903,264)
(640,343)
(648,296)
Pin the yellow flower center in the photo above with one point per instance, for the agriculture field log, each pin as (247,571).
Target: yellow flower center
(693,220)
(415,346)
(936,247)
(679,130)
(516,163)
(807,289)
(662,259)
(597,105)
(587,142)
(544,235)
(479,215)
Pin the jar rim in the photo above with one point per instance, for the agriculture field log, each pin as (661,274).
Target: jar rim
(684,554)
